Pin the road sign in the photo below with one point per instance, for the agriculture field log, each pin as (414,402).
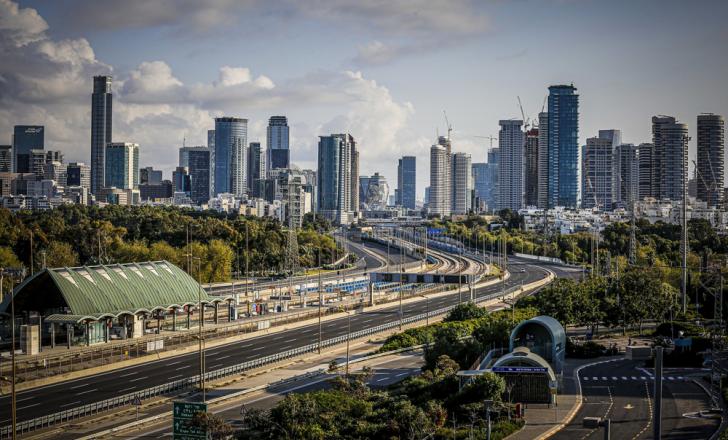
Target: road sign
(519,370)
(137,401)
(183,413)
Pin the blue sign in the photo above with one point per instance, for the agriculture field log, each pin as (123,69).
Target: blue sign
(519,370)
(435,231)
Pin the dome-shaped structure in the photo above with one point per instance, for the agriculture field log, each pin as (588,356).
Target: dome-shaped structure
(544,336)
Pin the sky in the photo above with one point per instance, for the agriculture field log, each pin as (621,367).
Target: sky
(383,70)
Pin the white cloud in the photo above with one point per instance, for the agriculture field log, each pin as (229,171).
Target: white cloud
(49,82)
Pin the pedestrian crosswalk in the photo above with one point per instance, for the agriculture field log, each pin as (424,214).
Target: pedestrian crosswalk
(629,378)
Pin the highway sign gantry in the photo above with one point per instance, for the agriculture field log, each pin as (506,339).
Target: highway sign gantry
(183,413)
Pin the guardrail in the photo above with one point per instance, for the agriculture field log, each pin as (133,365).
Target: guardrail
(177,385)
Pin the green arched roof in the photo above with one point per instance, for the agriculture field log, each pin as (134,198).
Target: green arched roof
(112,290)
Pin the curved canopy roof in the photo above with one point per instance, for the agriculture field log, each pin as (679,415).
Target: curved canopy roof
(522,356)
(95,292)
(554,327)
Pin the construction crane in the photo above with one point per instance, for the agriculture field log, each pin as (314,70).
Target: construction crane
(526,121)
(449,125)
(491,138)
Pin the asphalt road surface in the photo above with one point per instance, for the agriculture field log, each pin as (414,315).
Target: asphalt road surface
(62,396)
(618,390)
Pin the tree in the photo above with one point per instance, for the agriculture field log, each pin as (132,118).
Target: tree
(60,254)
(464,312)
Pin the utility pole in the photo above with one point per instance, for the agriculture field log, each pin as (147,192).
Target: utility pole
(199,328)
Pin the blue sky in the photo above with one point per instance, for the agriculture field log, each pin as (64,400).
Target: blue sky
(382,70)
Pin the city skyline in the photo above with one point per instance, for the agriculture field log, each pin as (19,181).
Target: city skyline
(374,83)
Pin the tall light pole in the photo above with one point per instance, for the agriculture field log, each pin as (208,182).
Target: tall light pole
(13,404)
(199,326)
(684,235)
(320,301)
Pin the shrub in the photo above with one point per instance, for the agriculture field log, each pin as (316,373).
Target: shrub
(673,329)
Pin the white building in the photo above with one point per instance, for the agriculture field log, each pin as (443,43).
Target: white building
(439,201)
(510,177)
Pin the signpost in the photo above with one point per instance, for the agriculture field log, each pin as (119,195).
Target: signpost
(183,413)
(519,370)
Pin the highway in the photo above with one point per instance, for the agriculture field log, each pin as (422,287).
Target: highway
(62,396)
(618,390)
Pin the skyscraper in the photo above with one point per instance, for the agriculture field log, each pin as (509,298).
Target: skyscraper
(597,168)
(335,200)
(462,183)
(231,150)
(481,184)
(198,159)
(510,176)
(644,158)
(278,154)
(181,180)
(439,200)
(543,160)
(6,159)
(150,175)
(101,110)
(122,165)
(669,158)
(354,179)
(25,139)
(407,182)
(256,167)
(530,165)
(563,146)
(626,176)
(211,146)
(711,158)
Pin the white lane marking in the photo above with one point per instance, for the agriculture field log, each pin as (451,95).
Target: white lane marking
(604,378)
(128,389)
(614,378)
(87,391)
(71,404)
(175,377)
(215,366)
(258,348)
(670,378)
(595,378)
(643,378)
(221,357)
(81,386)
(138,379)
(624,377)
(181,368)
(28,406)
(24,399)
(129,374)
(174,363)
(402,374)
(680,378)
(382,379)
(634,378)
(585,378)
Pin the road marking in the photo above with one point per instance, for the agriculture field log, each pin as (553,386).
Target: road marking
(24,399)
(643,378)
(181,368)
(604,378)
(87,391)
(649,409)
(680,378)
(81,386)
(586,378)
(174,363)
(258,348)
(670,378)
(129,374)
(222,357)
(175,377)
(28,406)
(71,404)
(382,379)
(595,378)
(128,389)
(215,366)
(402,374)
(634,378)
(624,377)
(138,379)
(614,378)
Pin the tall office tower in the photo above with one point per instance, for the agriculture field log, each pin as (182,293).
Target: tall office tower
(198,159)
(150,176)
(711,158)
(55,171)
(256,167)
(462,183)
(626,176)
(184,152)
(446,143)
(355,202)
(530,165)
(597,168)
(101,109)
(335,164)
(231,150)
(6,159)
(407,182)
(363,187)
(543,160)
(78,174)
(278,153)
(25,139)
(563,146)
(39,158)
(481,185)
(644,158)
(122,165)
(510,174)
(211,146)
(669,158)
(439,200)
(181,180)
(612,135)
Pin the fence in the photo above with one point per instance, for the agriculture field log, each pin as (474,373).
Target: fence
(115,402)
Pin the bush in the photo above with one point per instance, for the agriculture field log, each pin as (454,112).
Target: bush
(673,329)
(587,350)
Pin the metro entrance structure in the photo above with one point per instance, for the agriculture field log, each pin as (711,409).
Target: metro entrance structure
(93,304)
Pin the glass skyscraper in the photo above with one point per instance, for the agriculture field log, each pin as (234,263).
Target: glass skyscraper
(25,139)
(563,146)
(101,106)
(278,154)
(231,147)
(122,165)
(407,182)
(335,177)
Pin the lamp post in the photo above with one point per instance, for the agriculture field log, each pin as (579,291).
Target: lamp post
(199,326)
(20,273)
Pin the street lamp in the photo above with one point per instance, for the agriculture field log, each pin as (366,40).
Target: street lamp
(199,326)
(19,273)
